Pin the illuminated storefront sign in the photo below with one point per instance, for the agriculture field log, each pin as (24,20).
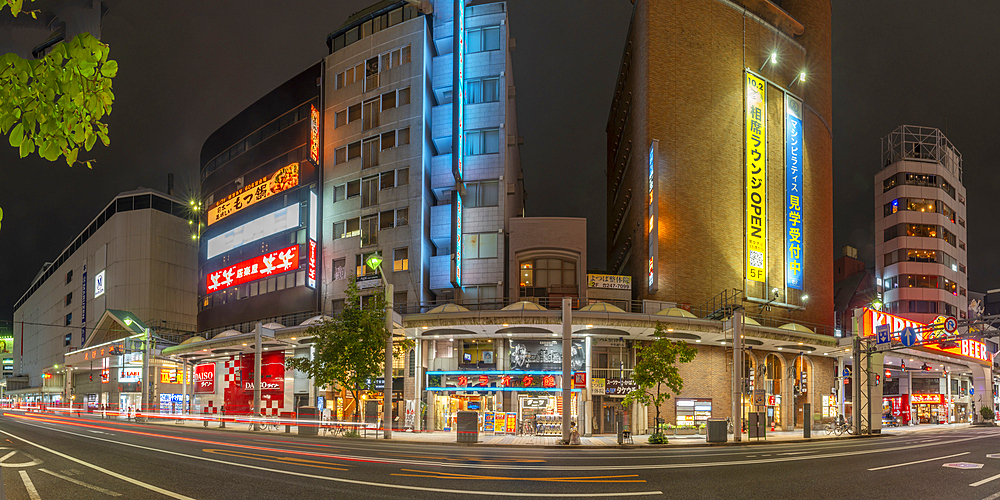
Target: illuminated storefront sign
(609,281)
(253,269)
(261,227)
(83,300)
(458,118)
(204,376)
(313,223)
(456,239)
(285,178)
(129,375)
(272,366)
(314,134)
(966,348)
(499,381)
(653,214)
(171,376)
(936,399)
(793,193)
(756,179)
(99,284)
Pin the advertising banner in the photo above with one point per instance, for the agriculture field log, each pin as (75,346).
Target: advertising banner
(456,238)
(254,269)
(793,193)
(129,375)
(488,423)
(273,223)
(545,355)
(619,387)
(204,376)
(609,281)
(653,214)
(597,386)
(171,376)
(285,178)
(755,223)
(272,366)
(971,349)
(511,423)
(314,134)
(500,423)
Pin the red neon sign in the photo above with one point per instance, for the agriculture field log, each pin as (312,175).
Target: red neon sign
(968,348)
(253,269)
(205,377)
(312,263)
(927,398)
(314,134)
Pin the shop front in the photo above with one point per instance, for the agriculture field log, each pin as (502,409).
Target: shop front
(929,408)
(896,410)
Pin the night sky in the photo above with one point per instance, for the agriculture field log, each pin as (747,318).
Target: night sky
(187,67)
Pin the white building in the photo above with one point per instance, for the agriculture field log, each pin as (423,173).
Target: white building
(137,255)
(920,226)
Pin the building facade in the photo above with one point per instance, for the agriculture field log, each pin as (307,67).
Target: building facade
(921,255)
(719,156)
(426,175)
(138,254)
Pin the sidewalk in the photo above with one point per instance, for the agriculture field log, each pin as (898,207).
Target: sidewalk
(596,441)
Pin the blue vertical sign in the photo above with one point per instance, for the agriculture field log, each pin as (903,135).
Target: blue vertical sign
(456,238)
(83,312)
(458,143)
(793,193)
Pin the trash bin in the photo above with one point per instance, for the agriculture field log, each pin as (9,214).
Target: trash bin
(467,426)
(308,413)
(717,430)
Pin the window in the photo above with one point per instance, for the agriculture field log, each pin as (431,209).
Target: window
(340,119)
(369,230)
(481,194)
(339,228)
(479,142)
(961,244)
(404,55)
(402,177)
(404,97)
(68,339)
(69,298)
(369,152)
(386,219)
(353,150)
(479,295)
(402,217)
(388,140)
(482,90)
(69,319)
(340,80)
(403,136)
(69,276)
(400,259)
(370,114)
(353,227)
(354,113)
(479,246)
(339,269)
(388,100)
(371,74)
(387,180)
(340,155)
(369,192)
(340,193)
(482,39)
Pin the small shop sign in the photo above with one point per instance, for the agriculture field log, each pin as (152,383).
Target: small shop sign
(597,386)
(609,281)
(620,386)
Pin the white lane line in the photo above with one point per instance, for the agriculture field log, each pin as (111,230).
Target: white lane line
(354,481)
(993,496)
(123,477)
(919,461)
(81,483)
(5,457)
(28,485)
(984,481)
(794,453)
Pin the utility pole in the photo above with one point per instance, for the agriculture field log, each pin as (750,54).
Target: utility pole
(374,261)
(146,378)
(256,377)
(567,354)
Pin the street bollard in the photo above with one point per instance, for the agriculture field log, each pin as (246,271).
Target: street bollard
(806,420)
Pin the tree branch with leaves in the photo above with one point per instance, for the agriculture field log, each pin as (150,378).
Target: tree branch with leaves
(657,367)
(349,349)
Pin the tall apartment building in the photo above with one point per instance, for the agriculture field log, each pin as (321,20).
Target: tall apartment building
(920,226)
(720,156)
(421,160)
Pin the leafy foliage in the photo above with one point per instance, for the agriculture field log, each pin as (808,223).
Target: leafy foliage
(987,413)
(54,105)
(17,6)
(656,368)
(658,438)
(350,348)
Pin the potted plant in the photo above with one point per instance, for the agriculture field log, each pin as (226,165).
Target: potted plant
(701,429)
(670,430)
(987,413)
(686,430)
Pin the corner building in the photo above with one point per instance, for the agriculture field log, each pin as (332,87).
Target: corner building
(719,191)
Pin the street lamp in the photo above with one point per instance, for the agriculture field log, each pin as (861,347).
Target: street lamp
(374,261)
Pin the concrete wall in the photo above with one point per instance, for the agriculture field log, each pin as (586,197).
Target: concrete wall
(541,236)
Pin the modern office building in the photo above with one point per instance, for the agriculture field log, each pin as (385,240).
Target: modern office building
(920,226)
(137,255)
(720,156)
(421,159)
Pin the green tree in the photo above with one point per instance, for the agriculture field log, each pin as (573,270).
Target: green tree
(656,368)
(349,349)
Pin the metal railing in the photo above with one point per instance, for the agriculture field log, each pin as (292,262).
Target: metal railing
(606,373)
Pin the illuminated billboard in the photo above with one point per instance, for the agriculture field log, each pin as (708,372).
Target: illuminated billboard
(313,223)
(314,135)
(458,111)
(793,193)
(262,227)
(966,348)
(285,178)
(253,269)
(755,182)
(456,238)
(653,214)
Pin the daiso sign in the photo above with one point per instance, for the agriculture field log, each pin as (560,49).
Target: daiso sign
(967,348)
(204,376)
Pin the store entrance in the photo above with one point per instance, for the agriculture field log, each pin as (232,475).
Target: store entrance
(928,414)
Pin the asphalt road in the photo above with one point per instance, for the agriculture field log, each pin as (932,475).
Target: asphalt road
(45,456)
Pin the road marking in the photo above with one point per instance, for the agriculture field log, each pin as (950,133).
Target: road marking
(340,479)
(28,485)
(993,496)
(794,453)
(963,465)
(918,461)
(123,477)
(577,479)
(81,483)
(4,463)
(984,481)
(271,458)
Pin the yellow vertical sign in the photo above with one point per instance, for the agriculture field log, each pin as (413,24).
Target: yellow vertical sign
(755,223)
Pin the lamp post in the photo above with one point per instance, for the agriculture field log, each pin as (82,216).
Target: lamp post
(374,261)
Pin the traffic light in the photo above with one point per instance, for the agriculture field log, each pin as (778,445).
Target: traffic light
(878,378)
(902,365)
(888,374)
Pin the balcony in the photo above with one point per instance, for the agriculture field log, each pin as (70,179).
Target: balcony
(611,373)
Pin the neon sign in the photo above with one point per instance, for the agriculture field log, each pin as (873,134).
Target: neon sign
(793,193)
(285,178)
(967,348)
(653,213)
(314,135)
(253,269)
